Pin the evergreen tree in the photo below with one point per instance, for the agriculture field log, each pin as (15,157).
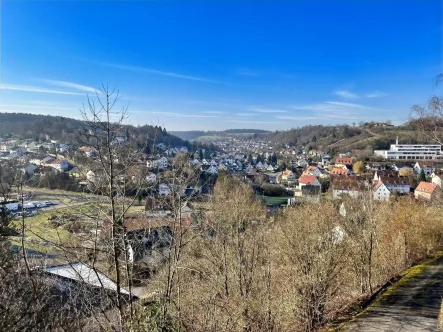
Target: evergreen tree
(422,175)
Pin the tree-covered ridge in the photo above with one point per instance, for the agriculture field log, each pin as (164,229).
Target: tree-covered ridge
(33,126)
(196,134)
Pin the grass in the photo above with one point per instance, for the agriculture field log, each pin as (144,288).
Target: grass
(276,200)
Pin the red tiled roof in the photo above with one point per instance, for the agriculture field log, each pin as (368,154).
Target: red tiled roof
(307,179)
(339,171)
(345,161)
(311,168)
(426,187)
(394,179)
(287,172)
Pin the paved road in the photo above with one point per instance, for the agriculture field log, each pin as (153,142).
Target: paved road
(413,305)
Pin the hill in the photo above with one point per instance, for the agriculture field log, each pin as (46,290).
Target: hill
(346,138)
(199,135)
(33,126)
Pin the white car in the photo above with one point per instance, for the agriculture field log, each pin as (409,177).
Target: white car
(41,205)
(29,206)
(48,203)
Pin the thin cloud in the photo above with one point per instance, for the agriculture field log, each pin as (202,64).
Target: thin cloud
(298,118)
(269,111)
(71,85)
(156,72)
(213,112)
(349,105)
(27,88)
(176,114)
(37,107)
(248,121)
(245,114)
(375,94)
(247,72)
(346,94)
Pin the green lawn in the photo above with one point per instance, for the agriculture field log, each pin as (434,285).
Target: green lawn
(275,200)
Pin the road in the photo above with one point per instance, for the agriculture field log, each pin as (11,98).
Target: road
(412,304)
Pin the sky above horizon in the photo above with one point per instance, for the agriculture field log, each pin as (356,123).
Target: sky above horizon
(214,65)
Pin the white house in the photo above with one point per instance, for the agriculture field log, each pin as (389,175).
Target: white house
(163,190)
(212,170)
(161,163)
(345,185)
(302,163)
(381,192)
(427,167)
(437,179)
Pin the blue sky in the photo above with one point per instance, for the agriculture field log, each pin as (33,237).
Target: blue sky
(212,65)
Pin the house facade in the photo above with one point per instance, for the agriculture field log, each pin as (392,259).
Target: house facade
(425,191)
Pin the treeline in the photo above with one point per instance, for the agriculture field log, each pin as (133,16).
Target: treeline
(194,134)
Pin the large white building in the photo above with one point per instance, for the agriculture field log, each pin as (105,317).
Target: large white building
(411,152)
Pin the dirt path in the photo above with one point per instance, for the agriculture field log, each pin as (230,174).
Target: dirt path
(410,305)
(372,133)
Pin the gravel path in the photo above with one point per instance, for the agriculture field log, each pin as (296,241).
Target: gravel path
(412,305)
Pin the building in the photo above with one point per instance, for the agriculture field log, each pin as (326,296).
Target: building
(163,190)
(306,179)
(346,161)
(339,171)
(427,167)
(437,179)
(313,170)
(288,176)
(411,152)
(399,184)
(381,192)
(345,185)
(425,191)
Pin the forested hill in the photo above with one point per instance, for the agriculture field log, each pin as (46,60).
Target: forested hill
(37,126)
(207,135)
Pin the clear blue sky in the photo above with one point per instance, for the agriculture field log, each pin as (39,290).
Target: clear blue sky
(223,64)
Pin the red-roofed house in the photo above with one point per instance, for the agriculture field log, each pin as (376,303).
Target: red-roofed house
(306,179)
(425,191)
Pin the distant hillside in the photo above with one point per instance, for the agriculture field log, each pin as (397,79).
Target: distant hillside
(197,135)
(345,138)
(37,126)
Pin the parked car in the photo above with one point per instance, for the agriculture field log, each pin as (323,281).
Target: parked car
(48,203)
(29,206)
(41,205)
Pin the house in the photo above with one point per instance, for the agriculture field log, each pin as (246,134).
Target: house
(427,167)
(376,166)
(88,151)
(379,174)
(399,184)
(346,161)
(60,165)
(380,191)
(313,170)
(7,146)
(425,191)
(75,172)
(339,171)
(151,178)
(288,176)
(30,169)
(18,151)
(270,168)
(163,190)
(306,179)
(345,185)
(273,177)
(398,166)
(437,178)
(302,163)
(212,170)
(161,163)
(326,159)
